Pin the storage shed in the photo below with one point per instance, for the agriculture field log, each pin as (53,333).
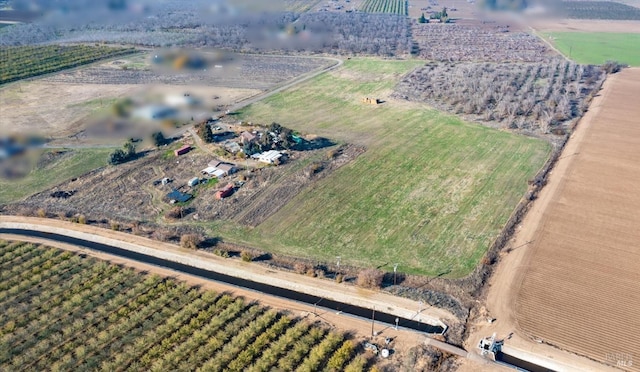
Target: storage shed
(182,150)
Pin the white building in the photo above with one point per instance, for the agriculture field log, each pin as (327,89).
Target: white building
(180,100)
(269,157)
(214,172)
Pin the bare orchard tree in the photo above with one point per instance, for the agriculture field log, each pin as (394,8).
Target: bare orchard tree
(533,97)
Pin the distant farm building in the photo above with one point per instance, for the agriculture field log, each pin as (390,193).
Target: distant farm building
(177,100)
(219,169)
(226,191)
(247,137)
(155,112)
(232,147)
(228,168)
(213,172)
(9,148)
(182,150)
(177,196)
(194,181)
(269,157)
(371,101)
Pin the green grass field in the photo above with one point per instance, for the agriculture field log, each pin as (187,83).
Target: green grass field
(598,47)
(63,312)
(430,193)
(68,166)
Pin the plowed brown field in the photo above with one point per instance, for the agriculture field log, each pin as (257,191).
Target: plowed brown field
(581,290)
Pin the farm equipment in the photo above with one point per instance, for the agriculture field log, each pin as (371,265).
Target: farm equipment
(489,347)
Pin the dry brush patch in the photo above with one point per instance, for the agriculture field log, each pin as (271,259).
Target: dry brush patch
(538,98)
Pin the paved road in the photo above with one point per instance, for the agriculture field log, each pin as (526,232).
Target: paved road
(287,85)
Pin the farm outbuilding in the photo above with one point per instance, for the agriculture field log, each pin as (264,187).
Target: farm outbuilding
(182,150)
(226,191)
(227,168)
(194,181)
(177,196)
(269,157)
(232,147)
(219,169)
(371,101)
(214,172)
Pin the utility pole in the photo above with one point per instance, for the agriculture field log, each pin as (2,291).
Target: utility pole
(338,258)
(373,317)
(315,306)
(395,268)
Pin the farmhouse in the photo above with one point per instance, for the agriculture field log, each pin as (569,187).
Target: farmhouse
(247,137)
(182,150)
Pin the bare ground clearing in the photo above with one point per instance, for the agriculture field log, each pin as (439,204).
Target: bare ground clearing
(241,71)
(566,185)
(464,10)
(128,192)
(52,109)
(60,105)
(61,110)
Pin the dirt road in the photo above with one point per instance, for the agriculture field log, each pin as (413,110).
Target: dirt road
(506,281)
(403,339)
(580,288)
(328,289)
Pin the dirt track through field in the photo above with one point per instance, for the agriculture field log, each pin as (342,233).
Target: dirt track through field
(581,289)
